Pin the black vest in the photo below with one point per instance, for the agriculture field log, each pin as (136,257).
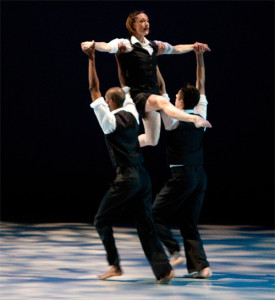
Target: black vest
(123,144)
(140,69)
(184,144)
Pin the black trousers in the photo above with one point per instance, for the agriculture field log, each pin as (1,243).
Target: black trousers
(140,97)
(131,192)
(183,194)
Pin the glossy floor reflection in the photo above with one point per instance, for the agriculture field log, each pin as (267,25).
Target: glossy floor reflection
(61,261)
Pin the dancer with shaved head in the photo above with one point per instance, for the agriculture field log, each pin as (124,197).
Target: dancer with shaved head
(131,189)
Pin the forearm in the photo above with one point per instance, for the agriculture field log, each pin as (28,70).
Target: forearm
(200,82)
(168,122)
(175,113)
(93,81)
(121,76)
(102,47)
(180,49)
(161,82)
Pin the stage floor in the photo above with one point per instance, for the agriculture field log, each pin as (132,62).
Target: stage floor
(61,261)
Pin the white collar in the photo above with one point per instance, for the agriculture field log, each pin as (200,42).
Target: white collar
(189,111)
(117,110)
(134,40)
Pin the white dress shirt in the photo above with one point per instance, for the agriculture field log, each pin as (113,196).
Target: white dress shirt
(114,45)
(106,118)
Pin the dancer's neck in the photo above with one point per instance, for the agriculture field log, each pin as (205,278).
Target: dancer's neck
(140,38)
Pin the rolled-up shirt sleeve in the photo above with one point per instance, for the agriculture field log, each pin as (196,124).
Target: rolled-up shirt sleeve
(168,47)
(114,45)
(201,107)
(106,119)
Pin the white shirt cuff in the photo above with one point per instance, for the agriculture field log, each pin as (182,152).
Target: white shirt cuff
(165,95)
(203,99)
(168,47)
(97,102)
(113,45)
(126,89)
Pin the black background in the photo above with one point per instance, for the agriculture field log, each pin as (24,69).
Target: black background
(55,166)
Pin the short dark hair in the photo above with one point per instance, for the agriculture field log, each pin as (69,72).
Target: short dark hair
(117,95)
(131,20)
(190,96)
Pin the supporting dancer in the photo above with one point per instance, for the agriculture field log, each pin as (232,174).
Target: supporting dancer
(140,63)
(184,192)
(131,189)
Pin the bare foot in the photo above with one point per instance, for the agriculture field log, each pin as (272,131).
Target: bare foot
(113,271)
(166,279)
(176,259)
(204,273)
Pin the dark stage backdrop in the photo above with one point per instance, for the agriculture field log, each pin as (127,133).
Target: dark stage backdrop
(54,163)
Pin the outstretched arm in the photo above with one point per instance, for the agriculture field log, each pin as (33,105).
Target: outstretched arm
(121,75)
(201,107)
(106,119)
(165,48)
(93,79)
(100,46)
(180,49)
(200,82)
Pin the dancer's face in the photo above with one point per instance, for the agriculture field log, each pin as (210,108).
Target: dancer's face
(179,102)
(108,100)
(141,25)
